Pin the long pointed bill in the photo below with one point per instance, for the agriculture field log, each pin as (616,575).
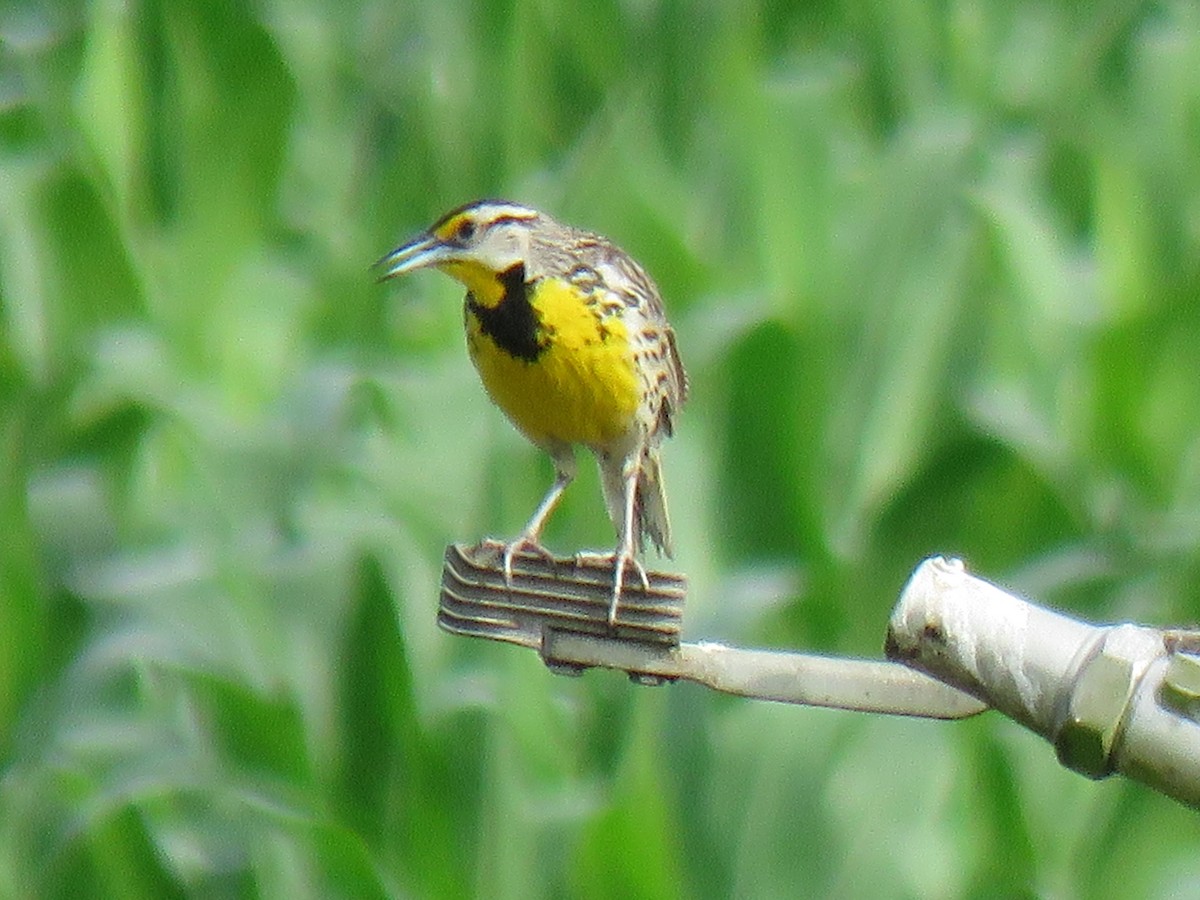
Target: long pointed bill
(424,250)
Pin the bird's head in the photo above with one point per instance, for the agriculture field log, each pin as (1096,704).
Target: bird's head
(476,244)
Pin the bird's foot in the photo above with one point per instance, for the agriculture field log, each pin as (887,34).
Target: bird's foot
(509,549)
(620,562)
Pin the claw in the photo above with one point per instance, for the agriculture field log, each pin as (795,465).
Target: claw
(620,561)
(641,573)
(511,548)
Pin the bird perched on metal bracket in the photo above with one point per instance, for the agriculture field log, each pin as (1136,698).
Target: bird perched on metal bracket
(570,339)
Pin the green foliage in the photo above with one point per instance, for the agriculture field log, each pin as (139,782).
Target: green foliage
(935,269)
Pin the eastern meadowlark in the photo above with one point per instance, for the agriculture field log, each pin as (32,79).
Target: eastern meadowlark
(569,337)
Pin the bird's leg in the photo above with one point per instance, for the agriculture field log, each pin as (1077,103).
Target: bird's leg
(625,552)
(530,538)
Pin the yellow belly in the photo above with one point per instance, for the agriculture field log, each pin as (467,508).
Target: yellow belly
(581,389)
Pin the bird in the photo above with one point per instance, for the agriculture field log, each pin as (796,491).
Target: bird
(570,338)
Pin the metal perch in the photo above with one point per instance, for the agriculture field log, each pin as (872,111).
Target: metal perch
(1118,698)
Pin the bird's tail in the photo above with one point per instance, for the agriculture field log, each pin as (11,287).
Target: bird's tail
(650,519)
(650,506)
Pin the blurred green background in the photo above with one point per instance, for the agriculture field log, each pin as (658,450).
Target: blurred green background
(935,267)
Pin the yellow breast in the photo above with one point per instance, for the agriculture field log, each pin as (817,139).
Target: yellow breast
(580,389)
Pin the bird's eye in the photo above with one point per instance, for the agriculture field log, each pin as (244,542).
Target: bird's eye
(465,230)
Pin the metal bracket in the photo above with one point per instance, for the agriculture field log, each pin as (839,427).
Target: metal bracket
(559,607)
(570,594)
